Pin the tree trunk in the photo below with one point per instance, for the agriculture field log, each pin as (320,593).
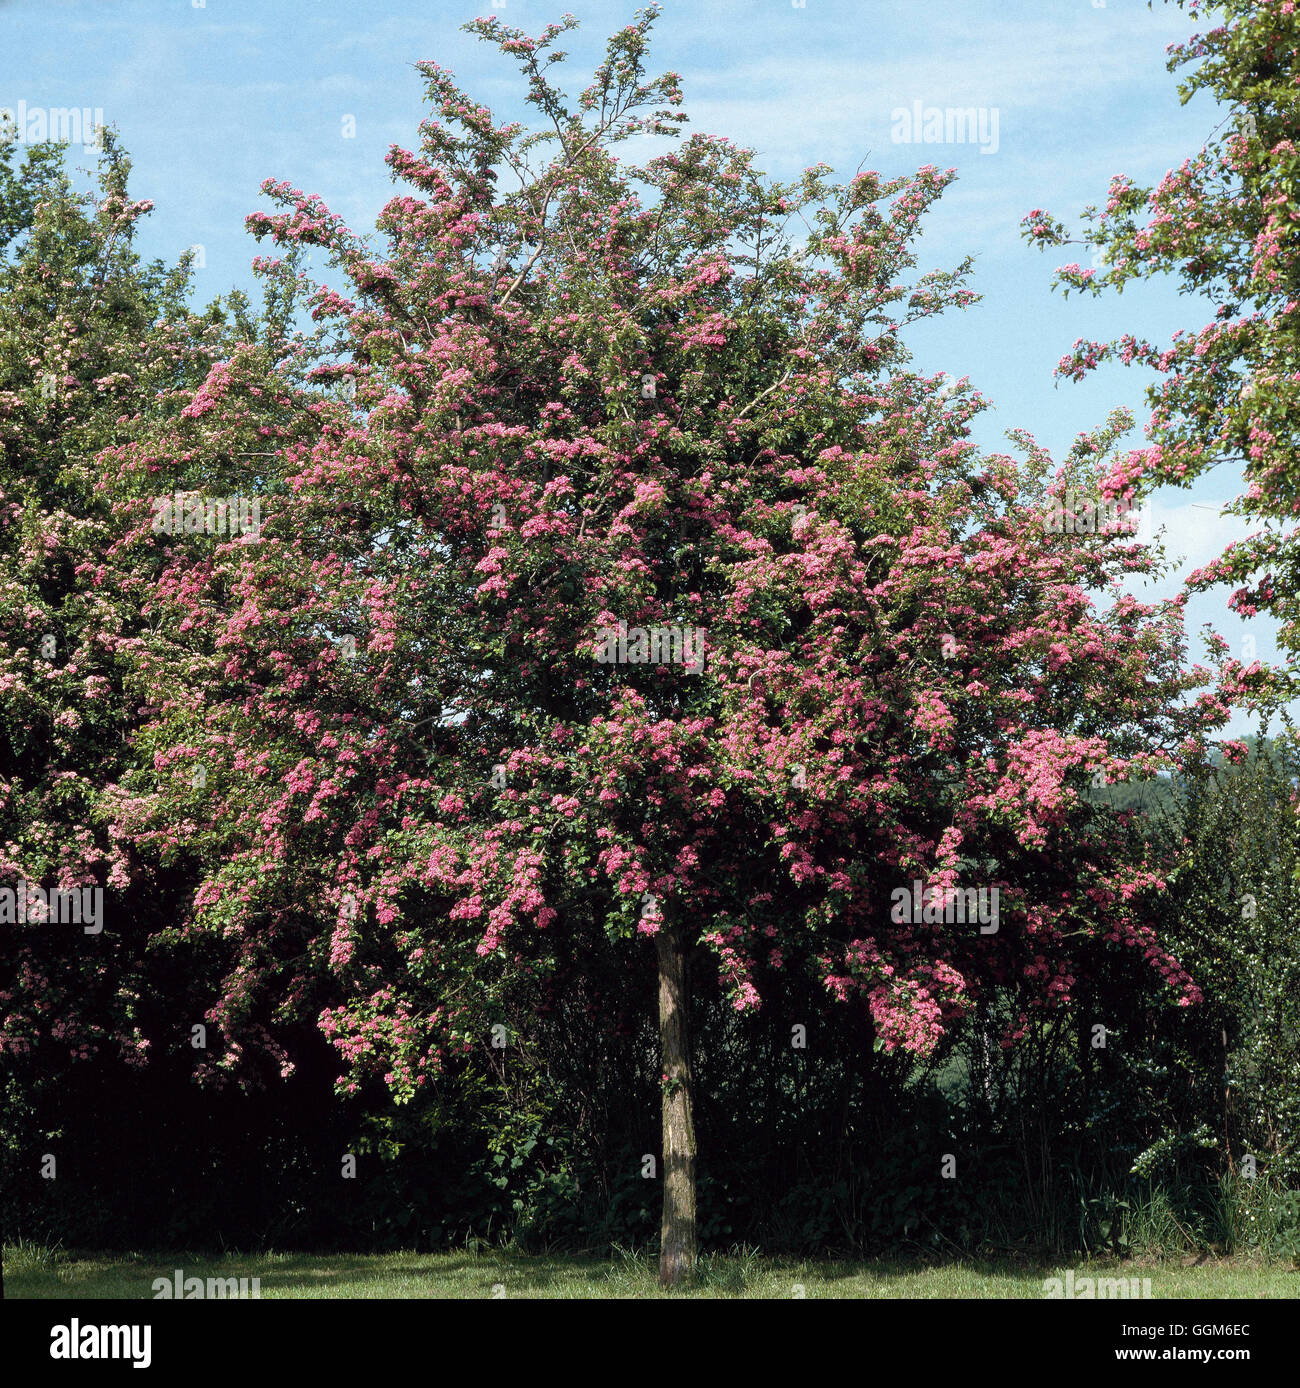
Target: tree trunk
(677,1235)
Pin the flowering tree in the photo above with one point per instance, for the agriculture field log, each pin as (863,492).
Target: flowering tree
(91,341)
(96,347)
(620,589)
(1225,223)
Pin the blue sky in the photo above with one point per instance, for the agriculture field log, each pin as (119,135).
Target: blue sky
(212,98)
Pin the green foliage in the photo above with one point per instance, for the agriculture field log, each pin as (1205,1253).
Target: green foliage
(1236,897)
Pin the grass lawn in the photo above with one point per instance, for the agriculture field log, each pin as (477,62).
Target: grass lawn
(38,1272)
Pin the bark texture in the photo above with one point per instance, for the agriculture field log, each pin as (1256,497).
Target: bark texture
(677,1235)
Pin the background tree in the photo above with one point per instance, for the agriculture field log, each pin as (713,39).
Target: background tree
(89,337)
(1235,888)
(1226,224)
(97,347)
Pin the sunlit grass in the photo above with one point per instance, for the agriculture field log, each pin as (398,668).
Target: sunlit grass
(33,1271)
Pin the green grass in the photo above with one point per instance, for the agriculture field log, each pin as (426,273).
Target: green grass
(32,1271)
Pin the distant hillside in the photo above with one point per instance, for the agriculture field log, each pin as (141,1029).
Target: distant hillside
(1160,795)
